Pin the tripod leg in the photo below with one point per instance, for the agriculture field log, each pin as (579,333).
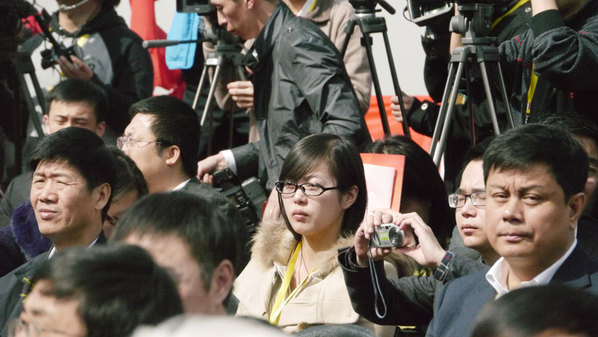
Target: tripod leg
(200,85)
(503,92)
(449,115)
(395,82)
(489,97)
(443,105)
(348,32)
(376,82)
(208,109)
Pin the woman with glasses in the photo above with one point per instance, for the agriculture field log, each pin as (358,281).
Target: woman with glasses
(293,279)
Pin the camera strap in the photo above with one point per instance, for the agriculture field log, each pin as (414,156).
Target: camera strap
(514,8)
(376,285)
(281,300)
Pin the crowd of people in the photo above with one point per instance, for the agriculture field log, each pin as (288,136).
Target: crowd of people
(117,228)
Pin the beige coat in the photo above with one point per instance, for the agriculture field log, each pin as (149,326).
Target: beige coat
(323,300)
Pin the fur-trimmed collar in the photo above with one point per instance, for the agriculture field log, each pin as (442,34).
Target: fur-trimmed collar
(274,243)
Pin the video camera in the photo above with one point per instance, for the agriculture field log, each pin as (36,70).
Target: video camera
(425,12)
(248,196)
(50,56)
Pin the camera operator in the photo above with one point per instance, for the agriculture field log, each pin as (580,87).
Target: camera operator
(509,18)
(104,51)
(300,87)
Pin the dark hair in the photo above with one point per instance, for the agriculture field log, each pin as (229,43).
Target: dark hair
(421,181)
(118,287)
(535,144)
(128,176)
(529,311)
(344,162)
(206,222)
(474,153)
(175,123)
(83,150)
(575,124)
(74,90)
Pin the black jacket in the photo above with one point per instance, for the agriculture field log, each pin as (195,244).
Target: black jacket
(565,58)
(300,88)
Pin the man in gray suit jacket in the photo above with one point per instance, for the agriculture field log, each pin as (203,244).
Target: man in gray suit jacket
(535,177)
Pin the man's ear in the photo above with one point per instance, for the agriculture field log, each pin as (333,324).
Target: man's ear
(222,281)
(576,205)
(349,197)
(46,121)
(100,128)
(250,4)
(173,153)
(101,194)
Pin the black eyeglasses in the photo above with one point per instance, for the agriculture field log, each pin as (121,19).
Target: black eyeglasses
(309,189)
(457,200)
(18,327)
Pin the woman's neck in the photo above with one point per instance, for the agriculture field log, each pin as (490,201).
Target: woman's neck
(72,21)
(295,5)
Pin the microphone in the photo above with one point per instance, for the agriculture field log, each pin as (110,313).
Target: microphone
(165,43)
(65,8)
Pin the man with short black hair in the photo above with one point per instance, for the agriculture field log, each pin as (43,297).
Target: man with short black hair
(535,177)
(71,192)
(70,103)
(197,238)
(163,140)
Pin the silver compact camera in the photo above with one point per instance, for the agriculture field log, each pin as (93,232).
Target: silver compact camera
(387,235)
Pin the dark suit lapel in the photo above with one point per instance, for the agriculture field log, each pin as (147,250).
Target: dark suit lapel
(576,270)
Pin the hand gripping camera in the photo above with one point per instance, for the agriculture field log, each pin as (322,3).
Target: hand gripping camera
(387,236)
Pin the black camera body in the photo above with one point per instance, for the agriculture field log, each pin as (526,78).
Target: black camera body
(387,236)
(50,56)
(248,196)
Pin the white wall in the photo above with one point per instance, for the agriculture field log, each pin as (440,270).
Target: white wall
(403,35)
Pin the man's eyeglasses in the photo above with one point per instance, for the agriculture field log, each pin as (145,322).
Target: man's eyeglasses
(287,188)
(128,142)
(456,200)
(17,327)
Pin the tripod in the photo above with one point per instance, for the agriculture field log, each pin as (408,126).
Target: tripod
(227,54)
(368,23)
(472,21)
(15,65)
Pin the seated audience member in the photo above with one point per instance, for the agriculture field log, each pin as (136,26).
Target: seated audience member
(410,300)
(535,177)
(162,139)
(129,187)
(293,279)
(72,102)
(22,240)
(586,132)
(102,291)
(548,310)
(196,238)
(72,183)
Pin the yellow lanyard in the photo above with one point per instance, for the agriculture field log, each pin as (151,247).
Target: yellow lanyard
(530,93)
(281,301)
(517,5)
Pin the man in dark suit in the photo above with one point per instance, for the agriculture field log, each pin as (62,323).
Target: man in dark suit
(71,192)
(163,140)
(535,177)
